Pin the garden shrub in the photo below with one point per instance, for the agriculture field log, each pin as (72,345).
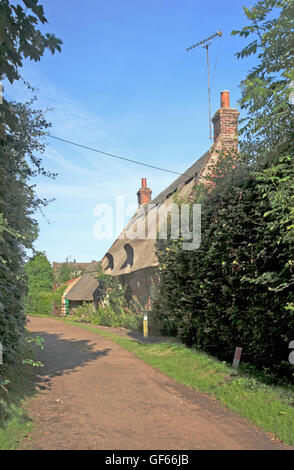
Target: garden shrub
(106,316)
(113,309)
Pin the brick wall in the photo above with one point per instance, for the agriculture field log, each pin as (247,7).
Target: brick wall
(225,122)
(139,284)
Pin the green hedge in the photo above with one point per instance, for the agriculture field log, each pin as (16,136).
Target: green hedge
(237,289)
(43,302)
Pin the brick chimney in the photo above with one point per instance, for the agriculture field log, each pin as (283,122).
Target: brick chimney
(144,193)
(225,123)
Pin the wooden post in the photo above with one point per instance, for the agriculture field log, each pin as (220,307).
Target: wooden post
(237,357)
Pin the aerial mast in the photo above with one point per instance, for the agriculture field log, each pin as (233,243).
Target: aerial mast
(205,44)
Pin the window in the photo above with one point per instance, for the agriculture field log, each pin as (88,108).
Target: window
(110,261)
(130,256)
(189,180)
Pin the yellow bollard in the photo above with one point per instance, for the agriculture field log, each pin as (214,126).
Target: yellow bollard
(145,325)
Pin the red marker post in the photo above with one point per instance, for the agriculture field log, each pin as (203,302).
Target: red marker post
(237,357)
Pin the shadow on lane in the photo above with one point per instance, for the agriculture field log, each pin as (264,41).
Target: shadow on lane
(63,356)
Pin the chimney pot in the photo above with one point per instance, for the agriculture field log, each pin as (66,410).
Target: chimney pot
(144,193)
(225,99)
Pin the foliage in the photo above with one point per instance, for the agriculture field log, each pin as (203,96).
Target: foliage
(237,289)
(20,39)
(17,386)
(38,341)
(268,126)
(105,280)
(39,273)
(113,308)
(4,227)
(39,298)
(17,204)
(114,294)
(40,302)
(84,312)
(66,272)
(277,184)
(44,302)
(106,316)
(22,129)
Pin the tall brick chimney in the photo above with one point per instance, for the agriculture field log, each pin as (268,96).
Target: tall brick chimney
(225,123)
(144,193)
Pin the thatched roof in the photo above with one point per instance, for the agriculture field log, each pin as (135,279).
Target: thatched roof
(114,262)
(129,253)
(190,175)
(84,288)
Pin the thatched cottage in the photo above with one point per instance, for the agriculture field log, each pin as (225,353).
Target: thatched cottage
(83,287)
(133,259)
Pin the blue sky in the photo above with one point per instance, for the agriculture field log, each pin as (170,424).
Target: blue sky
(125,84)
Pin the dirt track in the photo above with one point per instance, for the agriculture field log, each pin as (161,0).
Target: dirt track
(93,394)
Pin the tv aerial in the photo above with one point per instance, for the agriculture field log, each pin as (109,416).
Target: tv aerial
(205,43)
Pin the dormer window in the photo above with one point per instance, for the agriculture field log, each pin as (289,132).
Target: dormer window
(190,179)
(110,261)
(130,256)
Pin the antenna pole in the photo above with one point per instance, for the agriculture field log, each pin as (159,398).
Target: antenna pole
(209,105)
(206,43)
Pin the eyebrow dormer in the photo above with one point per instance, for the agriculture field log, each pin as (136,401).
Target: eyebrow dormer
(129,256)
(110,261)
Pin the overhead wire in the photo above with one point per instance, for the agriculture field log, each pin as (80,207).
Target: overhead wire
(129,159)
(112,155)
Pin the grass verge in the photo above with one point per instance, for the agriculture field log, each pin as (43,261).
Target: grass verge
(268,407)
(15,424)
